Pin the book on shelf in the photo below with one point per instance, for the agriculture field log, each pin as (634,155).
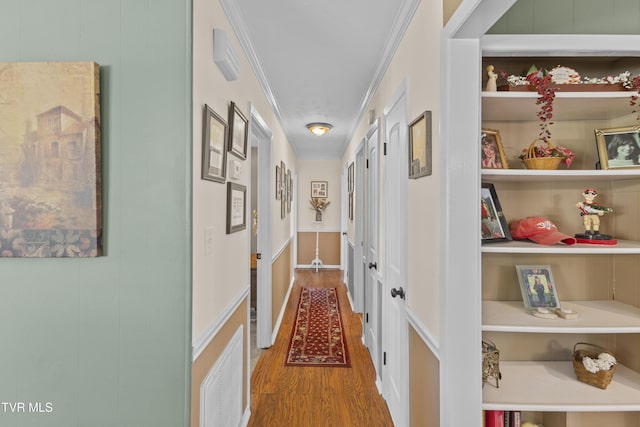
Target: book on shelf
(494,418)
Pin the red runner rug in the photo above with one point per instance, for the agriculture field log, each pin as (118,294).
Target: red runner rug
(318,337)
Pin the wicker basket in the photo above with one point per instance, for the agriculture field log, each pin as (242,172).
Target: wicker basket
(532,162)
(600,379)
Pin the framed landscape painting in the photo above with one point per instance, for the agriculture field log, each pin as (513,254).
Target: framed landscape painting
(50,162)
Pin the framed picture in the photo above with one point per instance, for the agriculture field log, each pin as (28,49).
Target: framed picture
(350,179)
(319,189)
(619,148)
(278,183)
(291,188)
(214,146)
(492,152)
(289,192)
(420,156)
(538,287)
(238,131)
(493,224)
(351,206)
(236,207)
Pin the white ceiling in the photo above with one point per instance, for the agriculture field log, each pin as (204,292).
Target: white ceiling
(319,61)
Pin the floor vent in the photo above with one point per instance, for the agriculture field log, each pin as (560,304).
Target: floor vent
(221,390)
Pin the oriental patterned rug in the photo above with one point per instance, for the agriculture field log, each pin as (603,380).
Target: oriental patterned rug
(317,338)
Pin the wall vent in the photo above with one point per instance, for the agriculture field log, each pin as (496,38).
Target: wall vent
(221,390)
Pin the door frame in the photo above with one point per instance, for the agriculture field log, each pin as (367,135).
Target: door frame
(390,225)
(260,135)
(344,238)
(358,225)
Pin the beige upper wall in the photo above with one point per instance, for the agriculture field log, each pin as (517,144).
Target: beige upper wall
(218,278)
(417,61)
(319,170)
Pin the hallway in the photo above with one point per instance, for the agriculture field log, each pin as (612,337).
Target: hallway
(317,396)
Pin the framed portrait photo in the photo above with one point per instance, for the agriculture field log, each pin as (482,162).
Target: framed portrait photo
(319,189)
(619,148)
(493,223)
(538,287)
(236,207)
(214,146)
(238,131)
(492,152)
(420,156)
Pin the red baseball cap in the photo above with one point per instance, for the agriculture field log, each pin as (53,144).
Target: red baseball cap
(539,230)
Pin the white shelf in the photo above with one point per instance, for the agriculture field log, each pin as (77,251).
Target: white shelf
(593,317)
(529,175)
(521,106)
(526,247)
(553,387)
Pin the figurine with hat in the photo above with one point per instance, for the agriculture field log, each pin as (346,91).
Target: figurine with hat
(591,211)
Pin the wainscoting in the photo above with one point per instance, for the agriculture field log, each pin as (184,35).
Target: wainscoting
(328,248)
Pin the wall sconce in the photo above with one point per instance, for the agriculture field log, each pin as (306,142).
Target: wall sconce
(319,129)
(224,56)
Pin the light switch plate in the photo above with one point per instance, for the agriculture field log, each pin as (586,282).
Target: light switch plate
(208,240)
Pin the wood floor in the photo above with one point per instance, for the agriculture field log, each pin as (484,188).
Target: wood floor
(317,396)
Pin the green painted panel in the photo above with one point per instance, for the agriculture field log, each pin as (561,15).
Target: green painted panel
(107,341)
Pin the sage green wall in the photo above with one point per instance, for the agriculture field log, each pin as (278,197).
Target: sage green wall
(106,341)
(570,17)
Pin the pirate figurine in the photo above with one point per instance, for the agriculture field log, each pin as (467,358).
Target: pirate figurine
(591,211)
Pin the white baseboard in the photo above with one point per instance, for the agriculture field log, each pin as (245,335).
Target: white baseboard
(244,422)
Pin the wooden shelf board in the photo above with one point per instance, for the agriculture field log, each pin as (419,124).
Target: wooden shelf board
(526,247)
(529,175)
(552,386)
(593,317)
(521,106)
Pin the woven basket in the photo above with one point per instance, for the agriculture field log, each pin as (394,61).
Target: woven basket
(600,379)
(532,162)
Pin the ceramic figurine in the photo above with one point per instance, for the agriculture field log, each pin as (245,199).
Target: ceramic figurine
(493,78)
(591,211)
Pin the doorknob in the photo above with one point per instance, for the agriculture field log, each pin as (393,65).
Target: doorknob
(397,292)
(373,265)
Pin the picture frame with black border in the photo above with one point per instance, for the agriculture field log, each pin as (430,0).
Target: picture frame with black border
(214,146)
(238,131)
(420,154)
(236,207)
(494,226)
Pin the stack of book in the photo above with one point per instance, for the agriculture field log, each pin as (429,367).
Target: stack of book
(499,418)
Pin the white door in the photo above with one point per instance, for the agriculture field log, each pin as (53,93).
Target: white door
(358,224)
(372,291)
(395,344)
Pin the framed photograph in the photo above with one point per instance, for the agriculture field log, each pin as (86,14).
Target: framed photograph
(319,189)
(619,148)
(238,131)
(289,191)
(492,152)
(351,206)
(420,156)
(236,207)
(214,146)
(538,287)
(493,223)
(291,188)
(278,183)
(350,179)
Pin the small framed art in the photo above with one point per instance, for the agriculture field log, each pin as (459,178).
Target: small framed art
(214,146)
(319,189)
(492,152)
(619,148)
(238,131)
(420,146)
(538,287)
(350,179)
(236,207)
(493,223)
(278,183)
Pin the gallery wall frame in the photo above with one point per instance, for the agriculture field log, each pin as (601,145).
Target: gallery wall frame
(278,182)
(238,131)
(214,146)
(420,150)
(236,207)
(319,189)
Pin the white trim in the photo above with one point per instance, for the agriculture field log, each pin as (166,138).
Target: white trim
(245,417)
(423,332)
(283,309)
(215,327)
(281,250)
(402,20)
(324,266)
(313,230)
(560,45)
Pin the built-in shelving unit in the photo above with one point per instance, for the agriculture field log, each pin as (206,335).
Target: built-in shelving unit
(536,383)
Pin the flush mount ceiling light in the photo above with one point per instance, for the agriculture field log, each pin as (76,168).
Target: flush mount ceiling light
(319,129)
